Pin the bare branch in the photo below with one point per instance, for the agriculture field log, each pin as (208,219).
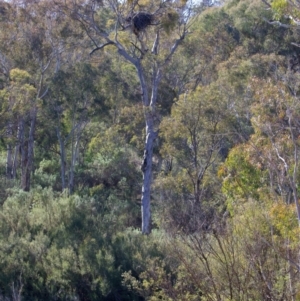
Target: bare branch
(44,94)
(267,3)
(125,54)
(295,44)
(280,157)
(87,32)
(136,47)
(91,22)
(277,23)
(155,44)
(173,49)
(44,68)
(102,46)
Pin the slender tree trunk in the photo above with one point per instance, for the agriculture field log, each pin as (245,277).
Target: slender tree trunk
(9,160)
(23,151)
(76,134)
(15,160)
(62,159)
(27,150)
(74,157)
(30,149)
(290,269)
(72,166)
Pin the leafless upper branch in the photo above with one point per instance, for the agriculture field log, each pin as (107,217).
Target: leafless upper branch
(102,46)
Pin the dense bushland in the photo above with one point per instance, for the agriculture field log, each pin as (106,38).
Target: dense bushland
(217,85)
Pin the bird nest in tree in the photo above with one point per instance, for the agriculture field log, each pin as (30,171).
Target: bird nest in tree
(140,21)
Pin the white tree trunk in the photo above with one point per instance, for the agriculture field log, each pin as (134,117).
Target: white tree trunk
(151,134)
(147,179)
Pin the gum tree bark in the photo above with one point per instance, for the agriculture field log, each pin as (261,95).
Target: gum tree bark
(151,135)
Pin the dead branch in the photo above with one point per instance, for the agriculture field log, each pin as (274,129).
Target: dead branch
(278,23)
(102,46)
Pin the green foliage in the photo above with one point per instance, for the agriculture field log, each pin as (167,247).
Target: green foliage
(235,262)
(241,179)
(228,118)
(192,138)
(20,76)
(170,20)
(285,221)
(60,247)
(246,14)
(46,175)
(282,8)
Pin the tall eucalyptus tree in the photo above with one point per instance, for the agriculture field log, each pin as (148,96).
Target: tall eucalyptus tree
(146,35)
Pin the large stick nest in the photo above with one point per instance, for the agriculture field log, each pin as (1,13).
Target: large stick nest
(140,21)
